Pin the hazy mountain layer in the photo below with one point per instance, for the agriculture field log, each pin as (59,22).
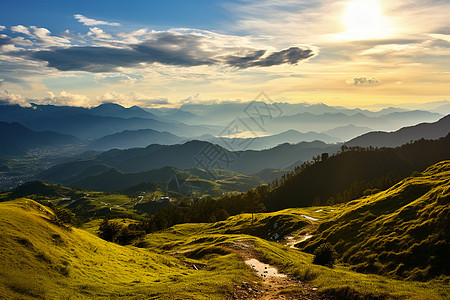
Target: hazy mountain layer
(404,135)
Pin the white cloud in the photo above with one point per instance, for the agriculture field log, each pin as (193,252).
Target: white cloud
(13,99)
(132,37)
(395,48)
(119,79)
(91,22)
(21,41)
(20,29)
(98,33)
(2,27)
(69,99)
(444,37)
(43,36)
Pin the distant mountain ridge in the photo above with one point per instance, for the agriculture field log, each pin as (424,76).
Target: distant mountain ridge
(193,120)
(116,110)
(404,135)
(16,138)
(134,138)
(266,142)
(323,122)
(96,122)
(191,154)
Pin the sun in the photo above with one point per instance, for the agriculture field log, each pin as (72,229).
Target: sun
(364,19)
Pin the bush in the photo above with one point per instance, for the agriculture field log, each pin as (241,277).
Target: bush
(325,255)
(66,216)
(121,234)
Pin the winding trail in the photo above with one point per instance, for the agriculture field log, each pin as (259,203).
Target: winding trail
(274,285)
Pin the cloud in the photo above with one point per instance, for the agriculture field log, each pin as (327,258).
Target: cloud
(133,37)
(290,56)
(43,36)
(68,99)
(119,79)
(19,40)
(91,22)
(20,29)
(2,27)
(5,40)
(12,99)
(39,35)
(401,49)
(170,48)
(98,33)
(362,81)
(444,37)
(132,98)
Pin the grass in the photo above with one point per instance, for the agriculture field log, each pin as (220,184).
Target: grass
(401,232)
(187,241)
(42,260)
(77,263)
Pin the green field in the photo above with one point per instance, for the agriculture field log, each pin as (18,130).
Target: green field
(43,260)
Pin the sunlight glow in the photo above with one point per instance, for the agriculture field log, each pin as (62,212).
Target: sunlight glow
(364,20)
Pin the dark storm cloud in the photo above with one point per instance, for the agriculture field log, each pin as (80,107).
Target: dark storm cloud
(244,61)
(290,56)
(89,59)
(169,49)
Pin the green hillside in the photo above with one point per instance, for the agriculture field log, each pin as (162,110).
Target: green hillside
(213,182)
(41,260)
(402,232)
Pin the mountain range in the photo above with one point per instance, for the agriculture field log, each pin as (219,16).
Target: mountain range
(192,154)
(193,120)
(134,138)
(17,139)
(404,135)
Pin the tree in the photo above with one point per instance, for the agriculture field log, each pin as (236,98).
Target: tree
(222,215)
(316,201)
(212,219)
(108,230)
(253,205)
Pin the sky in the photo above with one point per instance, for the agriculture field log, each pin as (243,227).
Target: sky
(167,53)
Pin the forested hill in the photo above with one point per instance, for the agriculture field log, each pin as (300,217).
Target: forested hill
(346,176)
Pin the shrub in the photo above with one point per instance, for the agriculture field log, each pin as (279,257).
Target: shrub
(121,234)
(325,255)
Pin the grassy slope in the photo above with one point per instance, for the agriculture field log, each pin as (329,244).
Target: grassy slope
(42,260)
(193,241)
(401,232)
(79,264)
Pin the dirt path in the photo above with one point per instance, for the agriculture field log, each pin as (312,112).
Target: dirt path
(273,285)
(303,235)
